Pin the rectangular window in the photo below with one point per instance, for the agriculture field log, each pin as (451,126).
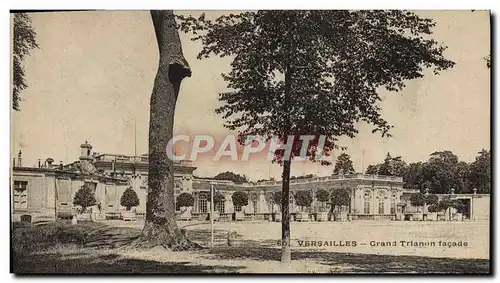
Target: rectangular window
(20,195)
(381,207)
(393,207)
(202,206)
(237,208)
(367,207)
(255,206)
(220,207)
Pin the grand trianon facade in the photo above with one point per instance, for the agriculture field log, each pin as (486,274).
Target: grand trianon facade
(46,191)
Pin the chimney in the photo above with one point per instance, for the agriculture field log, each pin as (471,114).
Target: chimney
(39,163)
(13,162)
(19,159)
(61,165)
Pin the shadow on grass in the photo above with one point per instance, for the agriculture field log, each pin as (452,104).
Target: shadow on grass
(92,263)
(362,263)
(203,236)
(111,237)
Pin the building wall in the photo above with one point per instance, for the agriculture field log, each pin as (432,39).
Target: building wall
(481,207)
(39,195)
(44,185)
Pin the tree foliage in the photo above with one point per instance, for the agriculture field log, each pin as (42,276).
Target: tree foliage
(240,198)
(460,205)
(372,169)
(303,198)
(431,199)
(308,176)
(344,165)
(24,41)
(433,208)
(185,200)
(392,166)
(218,197)
(444,204)
(277,198)
(129,198)
(314,72)
(340,197)
(237,178)
(480,172)
(417,199)
(441,173)
(413,177)
(322,195)
(85,197)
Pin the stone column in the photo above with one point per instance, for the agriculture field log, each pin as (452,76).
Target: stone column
(472,216)
(353,207)
(195,205)
(374,202)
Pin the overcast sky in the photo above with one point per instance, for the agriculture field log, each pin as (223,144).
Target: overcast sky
(93,74)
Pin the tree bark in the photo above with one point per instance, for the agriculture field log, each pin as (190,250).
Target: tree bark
(285,190)
(160,228)
(285,214)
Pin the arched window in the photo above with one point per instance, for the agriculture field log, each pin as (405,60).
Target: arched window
(202,203)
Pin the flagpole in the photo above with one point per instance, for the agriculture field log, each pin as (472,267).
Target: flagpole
(211,216)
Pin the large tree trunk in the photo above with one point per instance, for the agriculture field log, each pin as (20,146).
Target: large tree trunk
(285,189)
(160,227)
(285,213)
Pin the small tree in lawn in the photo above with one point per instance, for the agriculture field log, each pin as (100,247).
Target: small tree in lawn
(129,199)
(303,199)
(431,199)
(239,199)
(322,196)
(433,208)
(84,197)
(340,197)
(185,200)
(460,206)
(444,205)
(417,200)
(315,73)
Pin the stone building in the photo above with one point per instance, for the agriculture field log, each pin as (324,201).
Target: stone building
(47,191)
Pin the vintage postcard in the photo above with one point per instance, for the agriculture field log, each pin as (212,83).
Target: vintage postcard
(270,141)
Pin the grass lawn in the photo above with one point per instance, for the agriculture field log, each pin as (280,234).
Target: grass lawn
(103,248)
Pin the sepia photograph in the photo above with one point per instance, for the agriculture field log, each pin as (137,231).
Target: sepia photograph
(250,142)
